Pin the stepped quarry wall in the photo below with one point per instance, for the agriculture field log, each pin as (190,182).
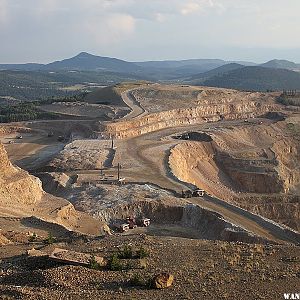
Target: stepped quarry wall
(255,168)
(188,116)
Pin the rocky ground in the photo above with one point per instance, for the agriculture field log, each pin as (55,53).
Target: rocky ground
(83,155)
(202,269)
(177,239)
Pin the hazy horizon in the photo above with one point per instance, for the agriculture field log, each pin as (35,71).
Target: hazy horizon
(132,30)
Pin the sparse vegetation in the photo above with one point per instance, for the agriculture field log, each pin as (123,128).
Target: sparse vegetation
(114,263)
(50,239)
(138,280)
(93,264)
(126,252)
(286,100)
(72,98)
(142,253)
(293,128)
(23,112)
(41,85)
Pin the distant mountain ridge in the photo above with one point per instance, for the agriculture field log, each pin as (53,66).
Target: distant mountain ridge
(275,74)
(88,62)
(217,71)
(256,79)
(281,64)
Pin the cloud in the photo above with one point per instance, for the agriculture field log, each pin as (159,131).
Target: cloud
(159,17)
(195,6)
(46,29)
(190,8)
(112,29)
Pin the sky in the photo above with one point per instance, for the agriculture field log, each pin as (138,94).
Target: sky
(138,30)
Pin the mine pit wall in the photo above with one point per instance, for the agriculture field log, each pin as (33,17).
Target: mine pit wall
(253,176)
(189,116)
(209,224)
(288,156)
(281,208)
(284,209)
(21,195)
(184,162)
(247,175)
(17,187)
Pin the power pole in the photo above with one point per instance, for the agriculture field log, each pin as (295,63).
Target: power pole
(119,167)
(112,142)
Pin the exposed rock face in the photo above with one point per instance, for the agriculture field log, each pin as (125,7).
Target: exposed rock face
(255,167)
(54,183)
(196,163)
(17,187)
(21,195)
(254,176)
(161,207)
(4,240)
(206,108)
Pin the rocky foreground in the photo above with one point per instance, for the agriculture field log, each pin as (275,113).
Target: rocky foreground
(201,270)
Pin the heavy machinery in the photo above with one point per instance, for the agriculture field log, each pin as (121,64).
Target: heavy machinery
(131,223)
(121,227)
(193,193)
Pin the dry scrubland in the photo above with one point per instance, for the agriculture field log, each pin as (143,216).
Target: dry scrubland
(202,269)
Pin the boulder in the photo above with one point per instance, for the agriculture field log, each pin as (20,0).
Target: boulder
(163,280)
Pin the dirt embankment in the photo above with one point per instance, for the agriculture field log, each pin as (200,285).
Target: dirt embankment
(17,187)
(233,105)
(21,195)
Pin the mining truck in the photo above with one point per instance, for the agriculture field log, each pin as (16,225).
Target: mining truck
(143,222)
(131,222)
(121,227)
(193,193)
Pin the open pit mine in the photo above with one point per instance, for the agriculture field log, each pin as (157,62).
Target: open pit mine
(196,184)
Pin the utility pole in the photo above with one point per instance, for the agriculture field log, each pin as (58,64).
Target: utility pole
(112,142)
(119,167)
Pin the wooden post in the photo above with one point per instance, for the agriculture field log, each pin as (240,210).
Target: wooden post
(119,171)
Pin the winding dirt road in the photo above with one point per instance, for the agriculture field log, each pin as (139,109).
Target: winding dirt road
(148,155)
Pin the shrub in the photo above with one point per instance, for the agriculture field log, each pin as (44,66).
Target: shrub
(114,263)
(142,253)
(50,239)
(93,264)
(126,252)
(138,280)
